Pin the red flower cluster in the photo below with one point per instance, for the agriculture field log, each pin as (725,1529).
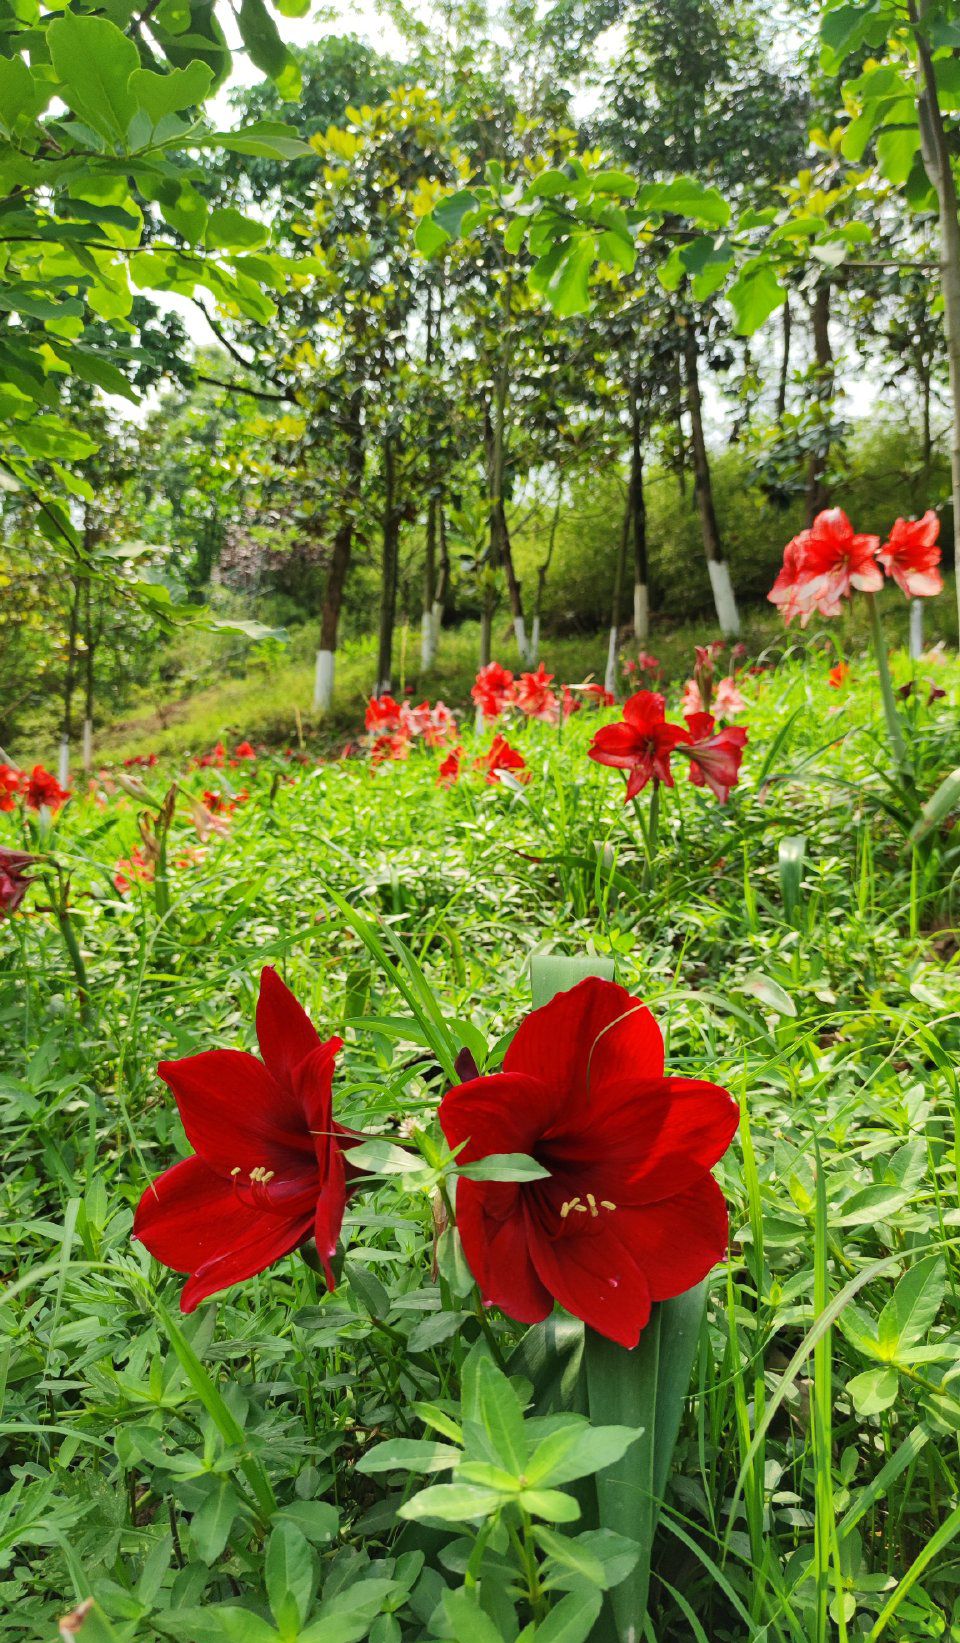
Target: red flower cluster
(134,866)
(145,760)
(11,784)
(268,1170)
(534,697)
(825,564)
(218,757)
(493,690)
(14,883)
(501,756)
(394,726)
(645,663)
(629,1212)
(643,742)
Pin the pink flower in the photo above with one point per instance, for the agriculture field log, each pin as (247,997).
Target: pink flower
(692,700)
(823,565)
(728,701)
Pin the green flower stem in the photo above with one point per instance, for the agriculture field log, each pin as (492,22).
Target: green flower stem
(894,727)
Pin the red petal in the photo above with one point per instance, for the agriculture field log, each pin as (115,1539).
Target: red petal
(504,1112)
(679,1240)
(659,1138)
(234,1113)
(497,1249)
(285,1032)
(585,1037)
(331,1204)
(596,1278)
(192,1221)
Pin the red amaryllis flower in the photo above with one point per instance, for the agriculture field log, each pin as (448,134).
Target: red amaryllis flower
(641,743)
(215,759)
(570,705)
(11,783)
(449,770)
(838,676)
(268,1170)
(823,565)
(382,715)
(629,1213)
(134,866)
(715,755)
(43,790)
(501,756)
(911,556)
(647,663)
(492,690)
(534,697)
(14,883)
(244,750)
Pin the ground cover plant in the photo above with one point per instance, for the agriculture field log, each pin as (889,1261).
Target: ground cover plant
(390,1456)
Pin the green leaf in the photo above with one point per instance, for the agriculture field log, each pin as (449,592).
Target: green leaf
(348,1615)
(911,1310)
(685,197)
(568,289)
(266,49)
(874,1390)
(448,214)
(385,1158)
(429,237)
(499,1412)
(941,804)
(162,94)
(505,1166)
(597,1555)
(451,1503)
(769,992)
(289,1573)
(409,1455)
(269,139)
(229,230)
(22,95)
(551,1504)
(210,1526)
(577,1451)
(754,296)
(572,1620)
(94,61)
(467,1621)
(89,1624)
(317,1520)
(552,973)
(791,857)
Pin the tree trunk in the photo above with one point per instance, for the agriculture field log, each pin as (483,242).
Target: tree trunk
(718,570)
(818,497)
(500,551)
(90,643)
(638,513)
(340,558)
(936,160)
(427,640)
(619,576)
(390,567)
(784,365)
(543,571)
(443,577)
(69,682)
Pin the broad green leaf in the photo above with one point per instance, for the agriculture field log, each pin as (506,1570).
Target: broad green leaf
(289,1572)
(228,229)
(94,61)
(572,1619)
(769,992)
(409,1455)
(210,1526)
(577,1451)
(552,973)
(500,1415)
(911,1310)
(874,1390)
(754,296)
(317,1520)
(466,1619)
(685,197)
(162,94)
(266,49)
(568,289)
(505,1166)
(451,1503)
(551,1504)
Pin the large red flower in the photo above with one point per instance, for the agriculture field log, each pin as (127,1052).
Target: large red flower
(911,556)
(640,743)
(383,714)
(268,1170)
(14,883)
(629,1213)
(823,565)
(715,755)
(43,790)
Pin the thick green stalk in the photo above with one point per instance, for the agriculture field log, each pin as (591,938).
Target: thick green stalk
(894,727)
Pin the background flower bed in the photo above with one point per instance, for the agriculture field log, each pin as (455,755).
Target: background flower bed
(804,992)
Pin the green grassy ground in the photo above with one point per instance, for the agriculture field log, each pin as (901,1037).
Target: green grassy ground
(263,702)
(815,1487)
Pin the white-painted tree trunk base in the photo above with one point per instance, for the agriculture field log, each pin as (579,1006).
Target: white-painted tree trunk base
(723,597)
(916,628)
(610,677)
(479,723)
(88,745)
(534,651)
(520,631)
(63,767)
(323,681)
(641,612)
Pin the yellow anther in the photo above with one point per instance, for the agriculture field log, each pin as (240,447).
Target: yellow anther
(593,1204)
(606,1204)
(581,1209)
(235,1170)
(268,1176)
(567,1207)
